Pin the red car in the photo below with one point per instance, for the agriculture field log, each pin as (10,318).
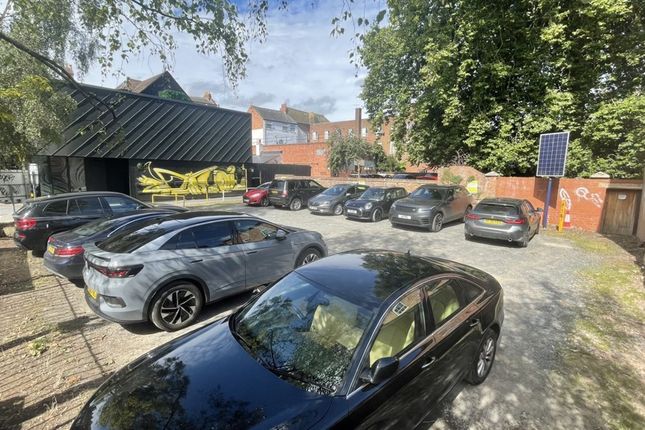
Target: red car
(257,196)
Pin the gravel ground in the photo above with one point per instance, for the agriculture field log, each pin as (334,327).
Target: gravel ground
(54,352)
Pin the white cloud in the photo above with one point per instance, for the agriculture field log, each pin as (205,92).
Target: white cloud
(299,62)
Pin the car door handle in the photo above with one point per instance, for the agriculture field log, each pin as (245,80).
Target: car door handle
(251,252)
(198,260)
(429,362)
(473,323)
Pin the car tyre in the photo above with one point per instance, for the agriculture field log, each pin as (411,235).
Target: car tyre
(437,222)
(307,256)
(484,358)
(295,205)
(176,306)
(338,209)
(524,242)
(468,237)
(377,215)
(264,202)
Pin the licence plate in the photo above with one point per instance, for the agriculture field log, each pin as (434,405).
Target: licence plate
(245,200)
(352,211)
(404,216)
(493,221)
(51,249)
(274,192)
(93,293)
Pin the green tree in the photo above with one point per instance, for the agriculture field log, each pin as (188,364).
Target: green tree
(486,78)
(344,152)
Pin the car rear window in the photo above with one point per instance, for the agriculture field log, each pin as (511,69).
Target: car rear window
(56,208)
(496,209)
(143,233)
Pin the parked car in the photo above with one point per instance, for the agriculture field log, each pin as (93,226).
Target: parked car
(356,340)
(374,204)
(513,220)
(332,200)
(404,176)
(64,256)
(430,206)
(41,217)
(293,193)
(428,176)
(258,196)
(167,269)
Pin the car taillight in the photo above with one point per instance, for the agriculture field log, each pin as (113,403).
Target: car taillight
(472,216)
(25,223)
(119,272)
(515,221)
(69,251)
(284,194)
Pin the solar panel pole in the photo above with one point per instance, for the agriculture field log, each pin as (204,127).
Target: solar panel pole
(549,189)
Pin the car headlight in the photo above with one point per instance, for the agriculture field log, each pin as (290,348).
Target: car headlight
(325,203)
(424,210)
(369,205)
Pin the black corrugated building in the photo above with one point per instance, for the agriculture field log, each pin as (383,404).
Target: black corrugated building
(107,149)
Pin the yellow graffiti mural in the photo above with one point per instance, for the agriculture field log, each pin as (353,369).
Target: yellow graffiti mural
(210,180)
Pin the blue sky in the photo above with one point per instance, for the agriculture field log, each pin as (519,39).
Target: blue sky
(299,63)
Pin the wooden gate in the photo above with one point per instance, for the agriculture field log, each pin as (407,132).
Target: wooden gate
(621,211)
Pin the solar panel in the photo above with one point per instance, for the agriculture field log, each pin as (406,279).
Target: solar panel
(552,156)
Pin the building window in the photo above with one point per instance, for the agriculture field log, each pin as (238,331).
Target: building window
(364,132)
(314,136)
(326,134)
(292,127)
(268,125)
(285,128)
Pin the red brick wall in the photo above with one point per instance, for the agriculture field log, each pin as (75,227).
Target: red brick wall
(256,119)
(309,154)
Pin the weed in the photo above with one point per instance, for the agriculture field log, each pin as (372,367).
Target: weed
(38,346)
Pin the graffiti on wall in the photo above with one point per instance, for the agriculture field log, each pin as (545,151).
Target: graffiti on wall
(211,180)
(584,193)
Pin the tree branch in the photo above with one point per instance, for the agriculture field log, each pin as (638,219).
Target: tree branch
(58,70)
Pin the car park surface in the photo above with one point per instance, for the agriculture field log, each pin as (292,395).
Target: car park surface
(542,295)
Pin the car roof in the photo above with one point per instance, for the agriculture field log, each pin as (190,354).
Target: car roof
(503,201)
(439,186)
(369,277)
(75,195)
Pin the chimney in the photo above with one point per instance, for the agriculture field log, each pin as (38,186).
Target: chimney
(70,70)
(208,96)
(358,122)
(283,107)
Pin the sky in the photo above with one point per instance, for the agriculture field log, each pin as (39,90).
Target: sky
(300,63)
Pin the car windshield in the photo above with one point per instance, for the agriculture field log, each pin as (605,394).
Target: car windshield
(427,193)
(336,190)
(302,333)
(373,194)
(134,238)
(96,226)
(493,209)
(277,184)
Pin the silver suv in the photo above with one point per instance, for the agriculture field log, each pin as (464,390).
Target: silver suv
(165,270)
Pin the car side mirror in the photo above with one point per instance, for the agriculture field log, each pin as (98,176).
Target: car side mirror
(280,234)
(381,370)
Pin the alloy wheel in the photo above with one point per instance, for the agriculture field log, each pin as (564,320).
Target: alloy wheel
(437,222)
(310,258)
(264,202)
(178,306)
(338,209)
(376,216)
(486,357)
(296,204)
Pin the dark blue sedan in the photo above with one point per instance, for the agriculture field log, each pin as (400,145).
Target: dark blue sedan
(64,255)
(367,339)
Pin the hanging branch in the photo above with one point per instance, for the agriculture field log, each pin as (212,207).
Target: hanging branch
(58,70)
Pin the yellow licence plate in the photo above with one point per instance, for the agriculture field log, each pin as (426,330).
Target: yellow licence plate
(93,293)
(51,249)
(493,221)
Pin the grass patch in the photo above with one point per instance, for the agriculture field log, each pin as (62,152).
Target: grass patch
(602,363)
(38,346)
(586,241)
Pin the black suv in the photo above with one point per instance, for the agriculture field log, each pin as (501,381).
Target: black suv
(41,217)
(430,206)
(374,203)
(293,193)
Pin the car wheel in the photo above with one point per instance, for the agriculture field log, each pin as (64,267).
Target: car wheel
(484,359)
(264,202)
(338,209)
(468,237)
(176,306)
(295,205)
(437,222)
(537,230)
(525,240)
(307,256)
(376,215)
(468,209)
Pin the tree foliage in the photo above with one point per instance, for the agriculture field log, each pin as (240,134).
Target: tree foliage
(486,78)
(344,152)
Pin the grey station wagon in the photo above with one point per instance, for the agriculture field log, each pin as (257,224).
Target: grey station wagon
(167,269)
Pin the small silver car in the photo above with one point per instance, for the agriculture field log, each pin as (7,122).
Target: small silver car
(513,220)
(165,270)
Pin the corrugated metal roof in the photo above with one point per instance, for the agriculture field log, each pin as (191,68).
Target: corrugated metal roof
(153,128)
